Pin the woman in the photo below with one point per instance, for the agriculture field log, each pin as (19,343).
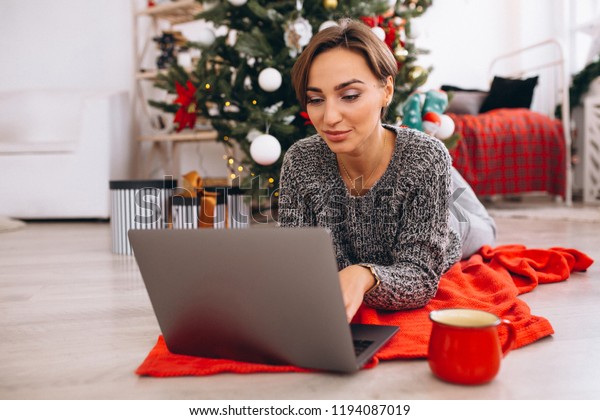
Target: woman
(383,192)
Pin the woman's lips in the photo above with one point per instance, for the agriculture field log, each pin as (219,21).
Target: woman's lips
(336,135)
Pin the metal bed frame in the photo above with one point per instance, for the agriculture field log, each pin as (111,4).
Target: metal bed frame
(546,60)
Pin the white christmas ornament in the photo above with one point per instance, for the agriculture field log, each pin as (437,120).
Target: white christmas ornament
(205,37)
(269,79)
(327,24)
(297,35)
(265,149)
(237,3)
(446,128)
(379,32)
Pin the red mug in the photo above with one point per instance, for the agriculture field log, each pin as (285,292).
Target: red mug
(464,347)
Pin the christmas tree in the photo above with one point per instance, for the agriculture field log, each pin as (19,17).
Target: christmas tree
(241,82)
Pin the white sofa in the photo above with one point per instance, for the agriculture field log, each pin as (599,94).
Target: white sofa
(58,151)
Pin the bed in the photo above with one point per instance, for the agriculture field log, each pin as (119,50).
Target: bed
(511,143)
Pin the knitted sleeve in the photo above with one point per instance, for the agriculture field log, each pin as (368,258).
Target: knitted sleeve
(420,253)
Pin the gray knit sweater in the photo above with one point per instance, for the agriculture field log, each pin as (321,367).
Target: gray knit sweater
(400,225)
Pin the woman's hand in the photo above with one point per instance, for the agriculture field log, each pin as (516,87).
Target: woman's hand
(355,280)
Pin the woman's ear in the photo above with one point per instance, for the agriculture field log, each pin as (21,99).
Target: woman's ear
(388,89)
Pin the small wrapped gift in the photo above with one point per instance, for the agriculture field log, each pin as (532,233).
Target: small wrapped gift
(138,204)
(185,212)
(220,207)
(192,201)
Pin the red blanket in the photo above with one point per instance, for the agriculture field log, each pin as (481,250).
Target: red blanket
(490,280)
(510,151)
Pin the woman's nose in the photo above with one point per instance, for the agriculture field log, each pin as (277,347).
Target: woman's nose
(332,114)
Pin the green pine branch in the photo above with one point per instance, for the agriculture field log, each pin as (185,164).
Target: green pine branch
(164,106)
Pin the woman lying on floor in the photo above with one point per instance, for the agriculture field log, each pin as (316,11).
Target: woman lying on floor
(398,213)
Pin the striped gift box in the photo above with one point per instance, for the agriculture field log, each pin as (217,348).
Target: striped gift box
(185,212)
(138,204)
(233,208)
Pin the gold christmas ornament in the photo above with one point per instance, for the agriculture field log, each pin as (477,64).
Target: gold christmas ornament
(416,73)
(330,4)
(400,53)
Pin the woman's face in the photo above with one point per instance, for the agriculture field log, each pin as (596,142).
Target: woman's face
(344,100)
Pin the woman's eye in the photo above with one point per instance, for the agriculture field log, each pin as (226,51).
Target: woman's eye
(314,101)
(350,98)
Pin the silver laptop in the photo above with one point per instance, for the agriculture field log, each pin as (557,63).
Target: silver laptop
(264,295)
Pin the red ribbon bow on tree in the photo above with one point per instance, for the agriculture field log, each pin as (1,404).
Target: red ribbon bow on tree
(186,97)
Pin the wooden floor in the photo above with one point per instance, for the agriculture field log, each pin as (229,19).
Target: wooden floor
(75,322)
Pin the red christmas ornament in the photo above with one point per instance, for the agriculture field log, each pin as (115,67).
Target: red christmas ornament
(186,114)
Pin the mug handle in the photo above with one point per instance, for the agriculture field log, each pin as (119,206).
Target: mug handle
(510,339)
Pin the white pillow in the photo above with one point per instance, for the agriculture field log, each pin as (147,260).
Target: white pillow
(466,102)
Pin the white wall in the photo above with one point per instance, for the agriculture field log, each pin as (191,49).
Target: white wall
(465,35)
(65,44)
(462,37)
(584,21)
(87,44)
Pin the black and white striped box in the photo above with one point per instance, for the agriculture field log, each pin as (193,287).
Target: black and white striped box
(233,208)
(138,204)
(185,212)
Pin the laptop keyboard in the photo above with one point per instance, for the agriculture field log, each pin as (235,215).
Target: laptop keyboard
(361,345)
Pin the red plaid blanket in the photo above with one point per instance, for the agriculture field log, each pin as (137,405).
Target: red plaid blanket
(509,151)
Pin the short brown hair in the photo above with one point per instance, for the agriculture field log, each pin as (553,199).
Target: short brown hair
(354,36)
